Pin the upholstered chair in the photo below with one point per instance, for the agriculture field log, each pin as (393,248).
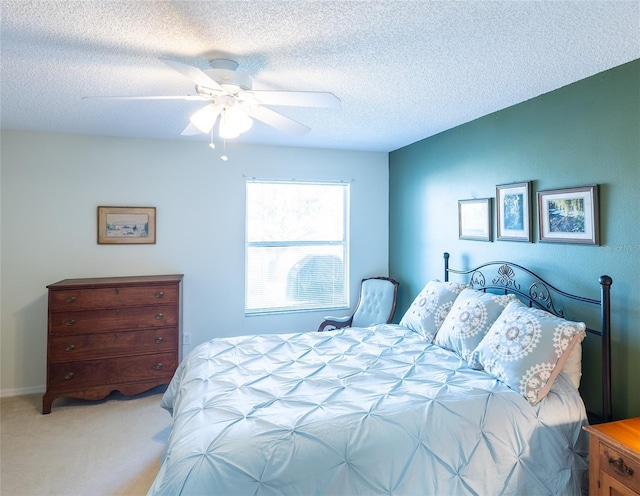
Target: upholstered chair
(376,305)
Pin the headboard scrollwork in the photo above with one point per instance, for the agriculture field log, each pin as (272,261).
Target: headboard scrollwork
(509,277)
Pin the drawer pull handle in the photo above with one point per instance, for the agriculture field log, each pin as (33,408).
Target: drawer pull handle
(618,466)
(159,294)
(159,316)
(158,340)
(69,347)
(158,366)
(68,376)
(69,322)
(70,299)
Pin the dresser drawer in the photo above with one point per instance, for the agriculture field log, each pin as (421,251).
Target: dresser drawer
(112,297)
(620,466)
(115,319)
(74,375)
(86,346)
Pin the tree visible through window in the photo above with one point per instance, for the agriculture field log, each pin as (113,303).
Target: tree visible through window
(296,249)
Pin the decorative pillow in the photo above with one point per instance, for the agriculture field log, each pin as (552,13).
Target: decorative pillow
(526,349)
(429,309)
(469,320)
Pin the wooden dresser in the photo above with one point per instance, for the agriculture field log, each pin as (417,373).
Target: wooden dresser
(112,333)
(614,458)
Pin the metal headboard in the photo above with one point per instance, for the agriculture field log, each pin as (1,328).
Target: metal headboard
(509,277)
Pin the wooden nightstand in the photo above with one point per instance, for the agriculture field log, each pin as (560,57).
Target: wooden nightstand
(614,458)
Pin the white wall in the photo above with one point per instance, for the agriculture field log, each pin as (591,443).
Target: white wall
(52,184)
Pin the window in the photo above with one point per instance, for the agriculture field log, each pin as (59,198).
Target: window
(296,247)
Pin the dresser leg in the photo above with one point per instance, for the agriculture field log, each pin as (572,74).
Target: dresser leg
(47,399)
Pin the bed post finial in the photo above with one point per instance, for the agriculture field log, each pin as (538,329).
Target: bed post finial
(606,281)
(605,312)
(446,267)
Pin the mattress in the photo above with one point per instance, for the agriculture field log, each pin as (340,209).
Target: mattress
(362,411)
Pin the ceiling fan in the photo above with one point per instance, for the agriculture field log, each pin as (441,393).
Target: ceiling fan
(231,99)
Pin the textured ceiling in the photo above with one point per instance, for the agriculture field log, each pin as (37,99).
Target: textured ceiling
(404,70)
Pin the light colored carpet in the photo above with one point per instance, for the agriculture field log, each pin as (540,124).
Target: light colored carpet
(84,448)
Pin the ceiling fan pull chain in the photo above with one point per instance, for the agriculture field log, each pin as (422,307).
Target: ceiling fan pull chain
(224,150)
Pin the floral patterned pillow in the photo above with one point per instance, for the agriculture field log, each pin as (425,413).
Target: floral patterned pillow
(469,320)
(526,349)
(429,309)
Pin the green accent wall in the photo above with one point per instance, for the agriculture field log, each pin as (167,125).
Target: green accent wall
(584,133)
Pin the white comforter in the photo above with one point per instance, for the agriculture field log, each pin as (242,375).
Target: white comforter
(361,411)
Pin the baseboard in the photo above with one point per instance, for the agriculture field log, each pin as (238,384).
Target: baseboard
(6,393)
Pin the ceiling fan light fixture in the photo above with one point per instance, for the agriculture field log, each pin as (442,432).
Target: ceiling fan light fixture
(233,122)
(205,118)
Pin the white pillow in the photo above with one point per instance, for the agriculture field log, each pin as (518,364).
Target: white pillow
(526,349)
(573,366)
(470,318)
(429,309)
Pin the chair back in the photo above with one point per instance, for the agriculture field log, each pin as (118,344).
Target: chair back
(377,302)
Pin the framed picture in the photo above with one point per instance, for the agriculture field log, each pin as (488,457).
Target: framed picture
(474,219)
(569,215)
(126,225)
(513,211)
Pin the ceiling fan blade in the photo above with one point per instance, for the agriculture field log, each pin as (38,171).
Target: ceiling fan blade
(297,98)
(279,121)
(190,130)
(193,73)
(158,97)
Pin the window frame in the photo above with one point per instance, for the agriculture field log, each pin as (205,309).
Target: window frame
(345,243)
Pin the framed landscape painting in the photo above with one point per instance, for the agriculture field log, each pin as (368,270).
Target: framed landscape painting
(569,215)
(474,219)
(126,225)
(513,211)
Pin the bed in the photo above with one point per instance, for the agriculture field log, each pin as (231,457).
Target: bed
(403,408)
